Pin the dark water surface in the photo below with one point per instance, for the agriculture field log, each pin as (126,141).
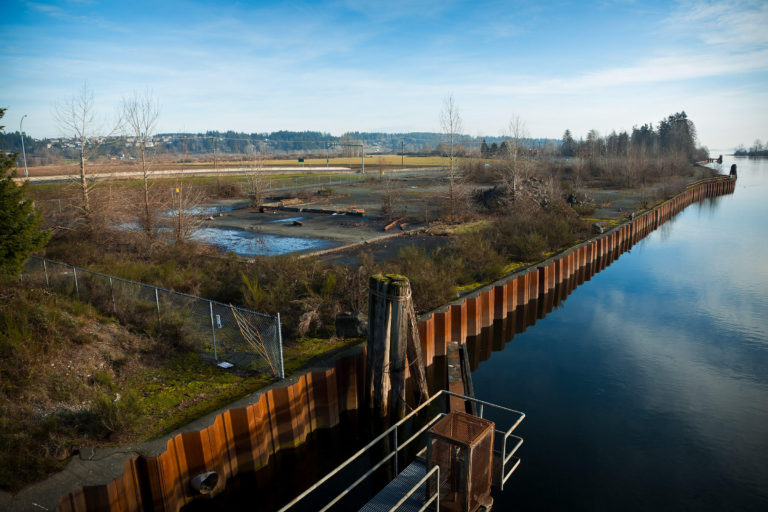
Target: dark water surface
(648,387)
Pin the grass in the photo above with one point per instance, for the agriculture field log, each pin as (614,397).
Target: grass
(306,350)
(188,387)
(372,159)
(72,377)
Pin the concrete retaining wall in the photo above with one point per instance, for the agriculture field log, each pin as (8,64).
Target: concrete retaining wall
(242,440)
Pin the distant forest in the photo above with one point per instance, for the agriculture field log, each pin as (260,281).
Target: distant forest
(757,149)
(674,134)
(274,144)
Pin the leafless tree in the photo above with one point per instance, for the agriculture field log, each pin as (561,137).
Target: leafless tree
(186,207)
(450,121)
(514,166)
(141,112)
(76,117)
(255,183)
(186,214)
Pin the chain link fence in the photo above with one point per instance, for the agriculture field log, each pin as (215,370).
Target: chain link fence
(218,332)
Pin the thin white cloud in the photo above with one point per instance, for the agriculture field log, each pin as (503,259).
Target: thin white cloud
(732,23)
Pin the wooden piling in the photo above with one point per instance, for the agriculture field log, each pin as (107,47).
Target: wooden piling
(393,339)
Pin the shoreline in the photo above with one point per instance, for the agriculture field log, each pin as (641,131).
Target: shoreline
(99,467)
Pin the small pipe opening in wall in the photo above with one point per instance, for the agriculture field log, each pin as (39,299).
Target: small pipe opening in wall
(204,483)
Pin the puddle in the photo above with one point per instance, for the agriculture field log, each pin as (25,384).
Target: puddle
(247,243)
(202,210)
(283,221)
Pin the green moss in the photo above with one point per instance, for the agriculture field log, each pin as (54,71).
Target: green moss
(298,355)
(184,390)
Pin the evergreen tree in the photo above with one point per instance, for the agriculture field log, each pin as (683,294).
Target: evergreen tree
(19,233)
(484,150)
(569,145)
(494,149)
(678,134)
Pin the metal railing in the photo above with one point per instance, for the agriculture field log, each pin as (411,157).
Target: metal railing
(222,332)
(506,453)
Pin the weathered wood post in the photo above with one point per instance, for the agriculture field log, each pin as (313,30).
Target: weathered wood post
(398,295)
(390,318)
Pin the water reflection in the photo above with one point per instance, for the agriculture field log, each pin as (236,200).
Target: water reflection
(649,390)
(248,243)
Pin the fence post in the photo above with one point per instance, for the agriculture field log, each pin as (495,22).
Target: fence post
(280,346)
(157,302)
(112,293)
(45,269)
(77,288)
(213,332)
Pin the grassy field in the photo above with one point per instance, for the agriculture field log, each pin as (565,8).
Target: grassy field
(378,160)
(97,166)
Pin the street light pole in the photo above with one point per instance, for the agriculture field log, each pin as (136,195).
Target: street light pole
(23,152)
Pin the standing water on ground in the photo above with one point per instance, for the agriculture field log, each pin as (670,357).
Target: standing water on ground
(647,388)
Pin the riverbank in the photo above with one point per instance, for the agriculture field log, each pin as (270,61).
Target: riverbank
(460,319)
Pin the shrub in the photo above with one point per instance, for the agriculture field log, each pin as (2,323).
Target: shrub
(117,413)
(431,281)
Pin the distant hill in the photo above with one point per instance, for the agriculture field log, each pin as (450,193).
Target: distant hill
(278,143)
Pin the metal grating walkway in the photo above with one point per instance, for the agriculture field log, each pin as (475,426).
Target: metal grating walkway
(399,487)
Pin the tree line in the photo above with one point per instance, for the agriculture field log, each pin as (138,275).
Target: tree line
(675,134)
(757,149)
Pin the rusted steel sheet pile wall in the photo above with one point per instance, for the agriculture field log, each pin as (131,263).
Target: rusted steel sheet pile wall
(469,316)
(241,440)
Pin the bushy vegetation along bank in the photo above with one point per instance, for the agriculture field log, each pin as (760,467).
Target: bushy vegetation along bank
(72,377)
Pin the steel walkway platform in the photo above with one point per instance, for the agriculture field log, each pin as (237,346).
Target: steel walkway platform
(399,487)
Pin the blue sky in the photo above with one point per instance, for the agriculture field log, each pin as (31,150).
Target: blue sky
(387,66)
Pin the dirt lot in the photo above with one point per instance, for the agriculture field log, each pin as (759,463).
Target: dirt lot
(413,198)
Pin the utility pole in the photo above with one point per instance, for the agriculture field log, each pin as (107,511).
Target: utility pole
(362,152)
(23,152)
(216,167)
(326,155)
(402,154)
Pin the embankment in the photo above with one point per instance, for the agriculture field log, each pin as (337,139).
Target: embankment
(244,439)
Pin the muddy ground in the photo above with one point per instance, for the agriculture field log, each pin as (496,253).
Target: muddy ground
(415,202)
(415,199)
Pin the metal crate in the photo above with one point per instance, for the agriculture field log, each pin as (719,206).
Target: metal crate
(462,446)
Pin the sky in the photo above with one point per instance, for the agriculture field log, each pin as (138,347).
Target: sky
(346,65)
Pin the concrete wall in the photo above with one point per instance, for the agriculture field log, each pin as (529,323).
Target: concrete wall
(242,440)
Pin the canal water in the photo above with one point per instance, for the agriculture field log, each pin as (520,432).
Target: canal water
(647,388)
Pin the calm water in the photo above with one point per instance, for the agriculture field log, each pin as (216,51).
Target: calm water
(248,243)
(648,387)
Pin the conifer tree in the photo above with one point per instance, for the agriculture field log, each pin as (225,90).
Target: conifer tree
(484,150)
(19,232)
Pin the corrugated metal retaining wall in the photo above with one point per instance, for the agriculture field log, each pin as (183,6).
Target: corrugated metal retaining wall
(241,440)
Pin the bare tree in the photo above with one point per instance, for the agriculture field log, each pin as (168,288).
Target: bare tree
(186,212)
(255,184)
(450,121)
(76,117)
(141,113)
(514,167)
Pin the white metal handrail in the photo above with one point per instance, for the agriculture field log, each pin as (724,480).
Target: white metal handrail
(360,452)
(397,447)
